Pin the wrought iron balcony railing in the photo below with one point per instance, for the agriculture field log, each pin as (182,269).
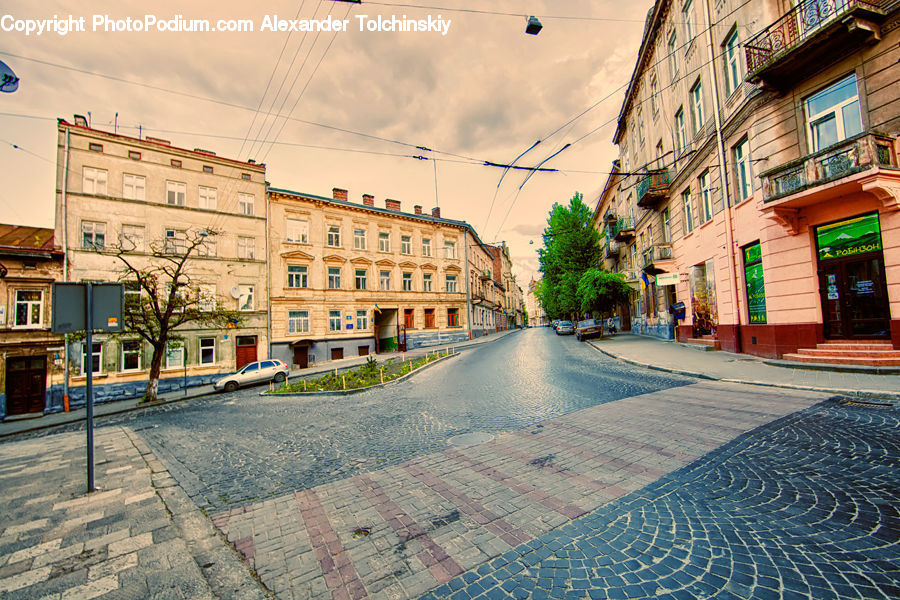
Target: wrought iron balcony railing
(653,188)
(655,254)
(624,228)
(802,23)
(840,160)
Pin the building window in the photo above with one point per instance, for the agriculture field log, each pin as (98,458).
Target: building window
(132,294)
(334,278)
(93,181)
(426,246)
(246,247)
(732,63)
(451,283)
(131,355)
(409,318)
(297,276)
(756,285)
(666,226)
(93,235)
(29,308)
(245,204)
(334,320)
(385,280)
(743,170)
(359,239)
(95,147)
(334,236)
(688,217)
(174,355)
(297,230)
(452,317)
(426,282)
(697,106)
(207,197)
(360,279)
(384,242)
(207,350)
(245,176)
(133,187)
(176,163)
(833,114)
(706,196)
(405,244)
(298,321)
(640,127)
(134,155)
(429,317)
(687,16)
(362,320)
(176,241)
(245,299)
(673,55)
(175,192)
(207,247)
(449,249)
(680,132)
(206,297)
(407,282)
(132,238)
(207,169)
(654,90)
(96,357)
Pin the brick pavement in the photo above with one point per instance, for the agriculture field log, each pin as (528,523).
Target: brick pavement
(122,541)
(443,520)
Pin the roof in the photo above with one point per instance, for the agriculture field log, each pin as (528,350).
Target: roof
(23,239)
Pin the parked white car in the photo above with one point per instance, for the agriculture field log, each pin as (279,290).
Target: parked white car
(260,371)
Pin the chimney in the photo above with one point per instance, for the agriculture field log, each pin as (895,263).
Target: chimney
(436,212)
(392,204)
(368,200)
(339,194)
(418,209)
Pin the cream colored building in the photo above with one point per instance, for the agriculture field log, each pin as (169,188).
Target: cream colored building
(350,279)
(485,290)
(114,190)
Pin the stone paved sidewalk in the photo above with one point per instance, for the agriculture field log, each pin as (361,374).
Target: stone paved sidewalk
(121,541)
(442,519)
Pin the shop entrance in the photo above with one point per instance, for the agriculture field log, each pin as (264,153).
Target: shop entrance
(852,284)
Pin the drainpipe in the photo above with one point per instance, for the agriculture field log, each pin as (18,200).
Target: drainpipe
(723,181)
(466,276)
(269,279)
(65,219)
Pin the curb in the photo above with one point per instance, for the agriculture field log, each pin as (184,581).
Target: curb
(269,394)
(842,392)
(838,368)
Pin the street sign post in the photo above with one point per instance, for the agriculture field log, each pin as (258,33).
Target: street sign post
(86,307)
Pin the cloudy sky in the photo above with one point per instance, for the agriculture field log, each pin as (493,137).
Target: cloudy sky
(484,91)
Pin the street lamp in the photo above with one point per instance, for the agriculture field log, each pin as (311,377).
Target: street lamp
(534,26)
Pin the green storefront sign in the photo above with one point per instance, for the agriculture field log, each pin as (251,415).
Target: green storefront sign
(756,285)
(847,238)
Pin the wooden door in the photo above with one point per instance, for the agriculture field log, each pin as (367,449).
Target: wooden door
(26,384)
(245,350)
(301,356)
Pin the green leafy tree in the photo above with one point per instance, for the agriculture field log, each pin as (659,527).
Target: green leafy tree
(600,291)
(571,247)
(169,297)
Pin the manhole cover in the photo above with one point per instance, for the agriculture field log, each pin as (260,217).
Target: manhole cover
(467,439)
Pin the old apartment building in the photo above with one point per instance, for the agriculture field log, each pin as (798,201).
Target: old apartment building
(31,361)
(757,178)
(115,191)
(350,279)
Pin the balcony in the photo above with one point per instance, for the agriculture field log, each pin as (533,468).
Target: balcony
(485,275)
(623,230)
(845,158)
(653,188)
(657,259)
(611,249)
(808,36)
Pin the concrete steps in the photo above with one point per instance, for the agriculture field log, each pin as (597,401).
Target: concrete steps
(706,342)
(872,353)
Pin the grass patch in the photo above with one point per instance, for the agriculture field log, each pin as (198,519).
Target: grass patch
(369,374)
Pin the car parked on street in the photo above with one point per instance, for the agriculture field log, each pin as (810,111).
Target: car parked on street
(565,328)
(587,329)
(261,371)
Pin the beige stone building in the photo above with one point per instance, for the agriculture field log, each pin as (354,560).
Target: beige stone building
(487,292)
(31,360)
(118,191)
(350,279)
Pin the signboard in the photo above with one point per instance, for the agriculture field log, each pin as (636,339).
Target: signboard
(847,238)
(667,279)
(68,311)
(756,285)
(865,287)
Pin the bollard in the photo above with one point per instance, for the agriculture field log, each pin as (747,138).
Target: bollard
(382,374)
(304,385)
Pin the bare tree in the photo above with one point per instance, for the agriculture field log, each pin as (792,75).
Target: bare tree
(169,297)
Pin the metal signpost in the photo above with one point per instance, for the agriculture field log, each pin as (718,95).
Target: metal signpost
(86,307)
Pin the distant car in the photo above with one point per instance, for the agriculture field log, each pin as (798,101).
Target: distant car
(565,328)
(589,328)
(260,371)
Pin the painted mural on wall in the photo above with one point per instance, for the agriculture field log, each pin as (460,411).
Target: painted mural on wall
(704,310)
